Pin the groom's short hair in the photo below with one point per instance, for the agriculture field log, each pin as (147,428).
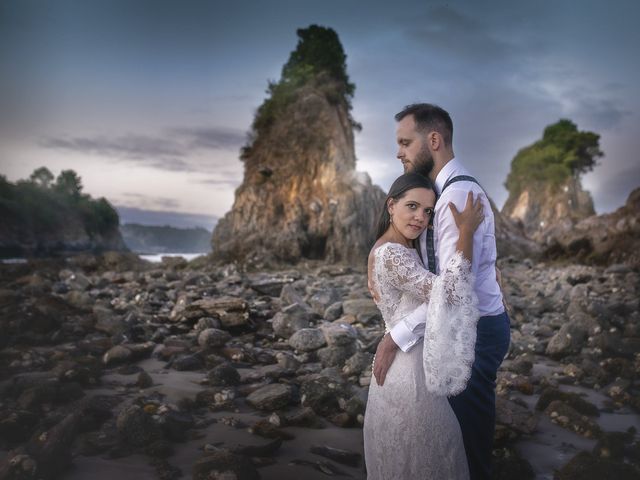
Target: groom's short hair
(429,118)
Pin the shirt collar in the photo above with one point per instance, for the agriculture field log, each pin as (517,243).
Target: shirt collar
(452,168)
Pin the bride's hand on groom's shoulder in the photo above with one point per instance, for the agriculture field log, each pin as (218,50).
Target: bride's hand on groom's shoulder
(471,217)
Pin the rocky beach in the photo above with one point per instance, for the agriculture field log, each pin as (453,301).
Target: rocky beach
(254,362)
(114,367)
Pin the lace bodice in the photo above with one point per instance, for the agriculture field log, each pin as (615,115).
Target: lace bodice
(403,283)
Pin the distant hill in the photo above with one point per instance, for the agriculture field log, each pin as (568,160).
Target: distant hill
(142,216)
(166,239)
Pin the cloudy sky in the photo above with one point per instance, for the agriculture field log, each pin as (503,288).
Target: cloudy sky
(150,100)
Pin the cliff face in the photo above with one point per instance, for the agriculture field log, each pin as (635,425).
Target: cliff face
(544,187)
(511,239)
(301,196)
(605,239)
(542,209)
(42,219)
(17,239)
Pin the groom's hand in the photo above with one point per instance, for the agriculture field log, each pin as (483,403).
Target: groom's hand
(385,355)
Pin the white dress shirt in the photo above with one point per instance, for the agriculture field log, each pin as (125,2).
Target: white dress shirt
(408,332)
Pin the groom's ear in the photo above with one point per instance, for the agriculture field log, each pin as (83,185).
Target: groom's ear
(434,140)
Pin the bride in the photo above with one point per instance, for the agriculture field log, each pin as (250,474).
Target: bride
(410,431)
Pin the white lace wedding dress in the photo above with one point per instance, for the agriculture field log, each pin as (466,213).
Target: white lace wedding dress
(410,431)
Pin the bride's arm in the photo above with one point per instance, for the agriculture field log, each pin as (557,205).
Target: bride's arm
(408,331)
(396,266)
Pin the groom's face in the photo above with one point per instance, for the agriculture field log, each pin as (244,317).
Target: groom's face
(412,148)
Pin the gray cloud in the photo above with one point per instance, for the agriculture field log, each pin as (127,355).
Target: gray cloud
(169,150)
(604,113)
(209,138)
(611,190)
(233,182)
(152,202)
(461,36)
(129,146)
(170,164)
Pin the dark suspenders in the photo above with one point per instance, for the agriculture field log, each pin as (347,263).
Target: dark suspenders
(460,178)
(431,254)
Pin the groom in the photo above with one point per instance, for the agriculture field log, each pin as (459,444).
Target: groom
(424,137)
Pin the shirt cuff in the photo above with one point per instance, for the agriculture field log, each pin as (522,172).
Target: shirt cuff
(403,336)
(416,318)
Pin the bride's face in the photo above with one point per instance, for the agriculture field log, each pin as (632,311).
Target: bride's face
(411,213)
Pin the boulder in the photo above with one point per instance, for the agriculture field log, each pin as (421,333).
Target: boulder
(291,319)
(223,465)
(224,375)
(365,310)
(322,299)
(272,397)
(136,427)
(336,355)
(569,340)
(213,338)
(339,333)
(307,339)
(323,394)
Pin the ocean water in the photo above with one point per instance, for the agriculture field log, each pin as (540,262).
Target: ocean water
(157,257)
(14,260)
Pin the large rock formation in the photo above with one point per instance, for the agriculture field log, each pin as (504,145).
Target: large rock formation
(545,193)
(511,241)
(547,201)
(545,209)
(301,196)
(604,239)
(18,239)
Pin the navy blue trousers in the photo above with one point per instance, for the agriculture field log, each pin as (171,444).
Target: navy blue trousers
(475,407)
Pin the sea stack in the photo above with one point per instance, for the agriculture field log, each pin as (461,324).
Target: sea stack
(301,197)
(545,193)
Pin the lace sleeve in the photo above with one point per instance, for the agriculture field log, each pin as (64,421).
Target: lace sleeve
(450,329)
(452,313)
(394,265)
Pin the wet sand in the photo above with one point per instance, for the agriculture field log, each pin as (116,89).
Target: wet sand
(175,386)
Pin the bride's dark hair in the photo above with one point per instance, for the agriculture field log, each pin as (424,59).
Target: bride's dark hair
(398,189)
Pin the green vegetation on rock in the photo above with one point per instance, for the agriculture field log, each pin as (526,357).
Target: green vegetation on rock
(562,152)
(318,60)
(40,205)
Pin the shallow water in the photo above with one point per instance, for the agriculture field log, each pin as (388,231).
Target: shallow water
(157,257)
(154,258)
(14,260)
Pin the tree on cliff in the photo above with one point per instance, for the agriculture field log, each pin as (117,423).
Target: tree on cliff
(68,183)
(42,177)
(562,152)
(318,59)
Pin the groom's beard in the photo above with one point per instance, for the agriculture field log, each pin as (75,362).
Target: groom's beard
(423,164)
